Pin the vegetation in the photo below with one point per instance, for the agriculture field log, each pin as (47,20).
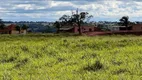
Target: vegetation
(125,21)
(75,19)
(18,28)
(57,25)
(79,19)
(70,57)
(1,24)
(24,27)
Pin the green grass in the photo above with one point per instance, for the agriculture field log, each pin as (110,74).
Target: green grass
(62,57)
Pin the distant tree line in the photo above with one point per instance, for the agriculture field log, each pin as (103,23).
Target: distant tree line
(74,19)
(19,28)
(80,18)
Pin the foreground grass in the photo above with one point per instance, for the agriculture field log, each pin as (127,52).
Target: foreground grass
(61,57)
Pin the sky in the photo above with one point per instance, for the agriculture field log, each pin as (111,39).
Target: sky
(52,10)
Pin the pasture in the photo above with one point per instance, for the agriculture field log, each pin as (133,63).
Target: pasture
(62,57)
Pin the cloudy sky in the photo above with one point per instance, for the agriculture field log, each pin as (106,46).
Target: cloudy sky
(51,10)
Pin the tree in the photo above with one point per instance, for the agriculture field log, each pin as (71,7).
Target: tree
(24,27)
(64,19)
(74,19)
(1,24)
(57,25)
(79,19)
(18,28)
(125,21)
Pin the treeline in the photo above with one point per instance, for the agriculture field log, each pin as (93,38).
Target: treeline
(18,27)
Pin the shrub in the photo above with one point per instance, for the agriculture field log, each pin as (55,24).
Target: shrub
(94,67)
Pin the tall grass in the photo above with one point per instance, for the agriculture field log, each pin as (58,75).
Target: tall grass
(70,57)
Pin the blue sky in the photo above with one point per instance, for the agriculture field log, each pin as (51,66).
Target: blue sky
(51,10)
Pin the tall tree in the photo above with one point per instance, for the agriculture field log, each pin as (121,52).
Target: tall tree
(64,19)
(57,25)
(77,18)
(18,28)
(125,21)
(80,18)
(1,24)
(24,27)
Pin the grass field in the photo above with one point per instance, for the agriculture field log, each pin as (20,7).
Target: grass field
(61,57)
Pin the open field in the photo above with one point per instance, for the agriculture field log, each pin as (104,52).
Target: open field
(61,57)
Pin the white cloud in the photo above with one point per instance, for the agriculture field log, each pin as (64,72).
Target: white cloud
(28,7)
(51,9)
